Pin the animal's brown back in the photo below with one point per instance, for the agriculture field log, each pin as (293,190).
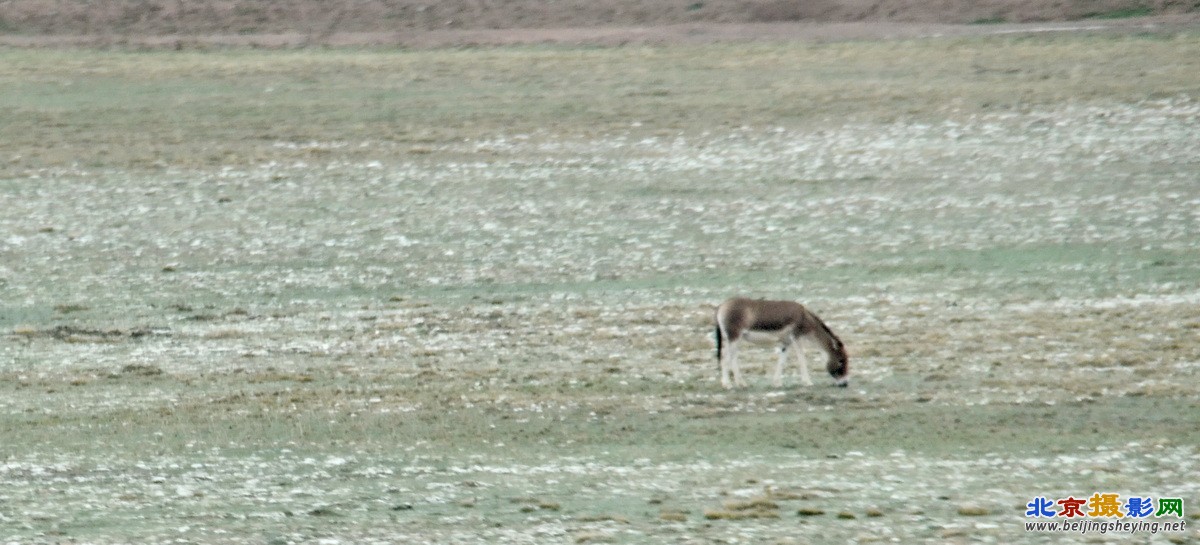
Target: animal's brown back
(737,314)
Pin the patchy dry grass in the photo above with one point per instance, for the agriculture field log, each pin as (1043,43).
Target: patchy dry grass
(208,111)
(283,326)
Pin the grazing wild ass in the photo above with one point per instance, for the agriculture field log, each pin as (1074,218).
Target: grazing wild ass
(784,322)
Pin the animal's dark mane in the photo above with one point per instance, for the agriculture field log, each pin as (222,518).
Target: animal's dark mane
(837,342)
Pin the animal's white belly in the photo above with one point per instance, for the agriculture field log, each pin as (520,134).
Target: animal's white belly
(765,336)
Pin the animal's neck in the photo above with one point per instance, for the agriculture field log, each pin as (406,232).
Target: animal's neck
(823,335)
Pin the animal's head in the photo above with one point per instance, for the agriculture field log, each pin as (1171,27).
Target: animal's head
(839,364)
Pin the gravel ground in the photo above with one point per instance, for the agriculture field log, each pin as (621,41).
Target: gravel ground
(507,339)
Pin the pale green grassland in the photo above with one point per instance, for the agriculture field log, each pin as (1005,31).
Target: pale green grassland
(197,110)
(464,296)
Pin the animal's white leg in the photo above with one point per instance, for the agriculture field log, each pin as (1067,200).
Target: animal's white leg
(804,377)
(737,371)
(725,366)
(777,378)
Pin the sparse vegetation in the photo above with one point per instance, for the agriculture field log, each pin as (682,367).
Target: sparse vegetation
(464,295)
(743,514)
(993,20)
(670,515)
(973,510)
(1122,13)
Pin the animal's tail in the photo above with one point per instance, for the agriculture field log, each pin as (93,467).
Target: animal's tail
(717,334)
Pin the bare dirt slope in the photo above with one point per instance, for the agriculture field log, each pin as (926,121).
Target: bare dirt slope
(425,23)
